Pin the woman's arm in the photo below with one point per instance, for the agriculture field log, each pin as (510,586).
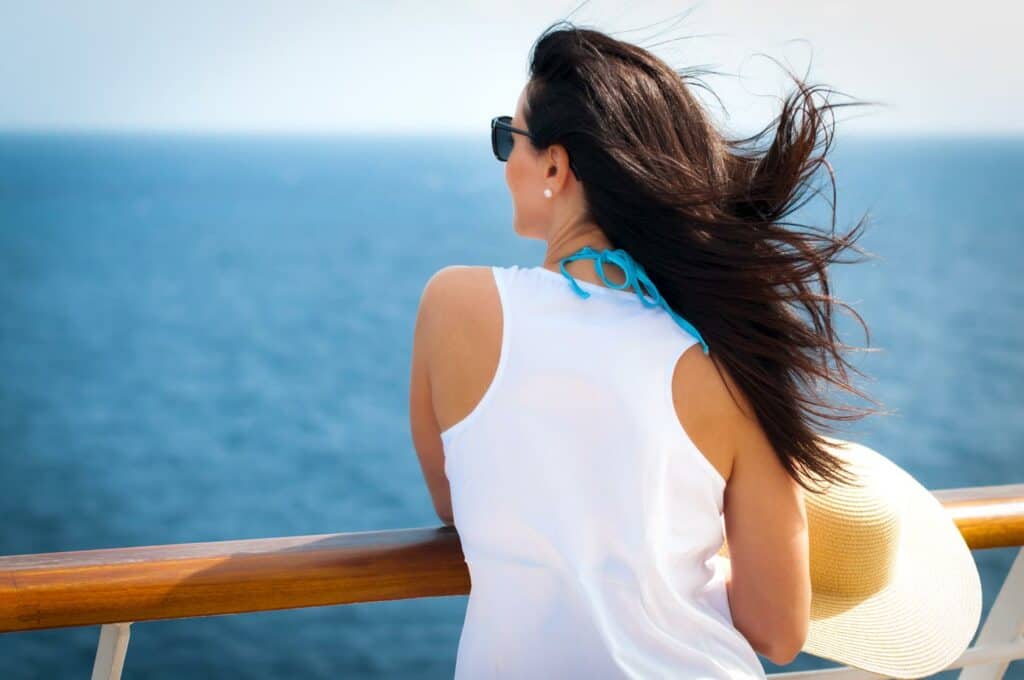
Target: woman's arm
(768,574)
(769,585)
(423,426)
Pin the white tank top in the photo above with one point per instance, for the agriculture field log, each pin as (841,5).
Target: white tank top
(588,519)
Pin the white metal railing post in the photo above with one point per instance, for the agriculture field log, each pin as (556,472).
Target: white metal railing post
(1004,623)
(1000,641)
(110,651)
(980,654)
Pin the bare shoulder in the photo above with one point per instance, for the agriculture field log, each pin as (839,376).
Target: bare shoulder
(464,343)
(459,286)
(720,420)
(711,408)
(460,303)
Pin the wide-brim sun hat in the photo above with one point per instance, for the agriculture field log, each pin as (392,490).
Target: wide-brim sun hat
(894,586)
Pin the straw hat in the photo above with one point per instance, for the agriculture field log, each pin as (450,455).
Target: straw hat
(895,589)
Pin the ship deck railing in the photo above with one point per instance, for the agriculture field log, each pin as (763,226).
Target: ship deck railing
(115,587)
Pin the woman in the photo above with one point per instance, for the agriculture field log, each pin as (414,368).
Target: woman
(594,426)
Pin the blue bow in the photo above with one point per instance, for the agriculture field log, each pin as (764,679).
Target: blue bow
(635,274)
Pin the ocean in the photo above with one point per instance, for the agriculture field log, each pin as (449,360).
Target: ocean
(207,337)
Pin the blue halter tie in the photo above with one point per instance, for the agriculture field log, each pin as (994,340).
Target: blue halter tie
(635,274)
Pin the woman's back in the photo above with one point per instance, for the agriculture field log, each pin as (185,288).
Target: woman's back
(589,520)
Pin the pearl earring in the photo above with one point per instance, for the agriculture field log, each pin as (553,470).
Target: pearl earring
(547,193)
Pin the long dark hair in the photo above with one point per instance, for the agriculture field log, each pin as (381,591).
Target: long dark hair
(703,214)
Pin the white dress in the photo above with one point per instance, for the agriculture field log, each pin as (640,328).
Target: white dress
(589,520)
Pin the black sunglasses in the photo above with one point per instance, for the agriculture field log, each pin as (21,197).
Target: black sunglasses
(501,139)
(501,136)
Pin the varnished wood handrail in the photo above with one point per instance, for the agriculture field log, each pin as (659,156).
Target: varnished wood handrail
(987,516)
(89,587)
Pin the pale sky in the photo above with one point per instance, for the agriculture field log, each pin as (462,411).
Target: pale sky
(398,66)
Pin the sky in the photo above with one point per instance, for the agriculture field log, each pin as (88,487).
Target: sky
(447,67)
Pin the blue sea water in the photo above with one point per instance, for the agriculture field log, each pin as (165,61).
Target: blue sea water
(207,338)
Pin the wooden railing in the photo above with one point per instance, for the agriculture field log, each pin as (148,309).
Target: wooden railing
(116,586)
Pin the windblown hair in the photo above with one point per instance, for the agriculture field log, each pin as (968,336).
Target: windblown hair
(703,215)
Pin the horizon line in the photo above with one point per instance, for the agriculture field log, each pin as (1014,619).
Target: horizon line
(440,134)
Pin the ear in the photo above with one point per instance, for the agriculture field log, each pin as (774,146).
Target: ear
(557,159)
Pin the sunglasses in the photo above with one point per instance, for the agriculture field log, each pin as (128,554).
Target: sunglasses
(501,139)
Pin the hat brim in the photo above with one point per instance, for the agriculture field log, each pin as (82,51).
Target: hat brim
(929,611)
